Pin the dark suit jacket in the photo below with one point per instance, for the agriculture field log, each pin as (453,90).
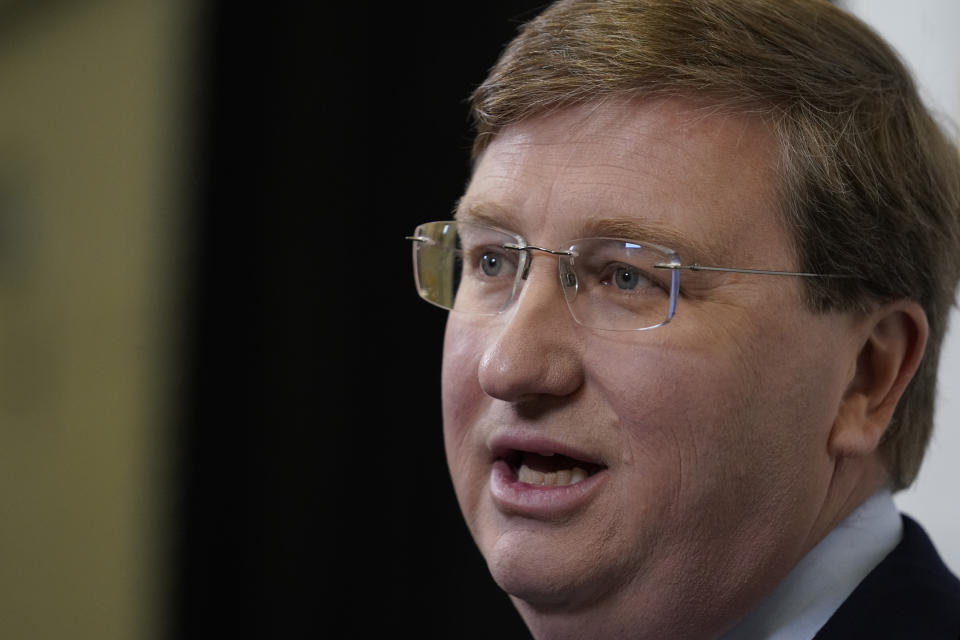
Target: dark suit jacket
(910,595)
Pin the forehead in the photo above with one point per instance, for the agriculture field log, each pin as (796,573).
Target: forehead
(673,172)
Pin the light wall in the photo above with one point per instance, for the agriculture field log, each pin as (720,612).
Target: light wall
(925,34)
(91,126)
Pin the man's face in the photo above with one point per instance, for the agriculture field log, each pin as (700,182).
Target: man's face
(705,439)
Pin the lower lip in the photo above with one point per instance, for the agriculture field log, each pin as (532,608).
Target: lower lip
(539,501)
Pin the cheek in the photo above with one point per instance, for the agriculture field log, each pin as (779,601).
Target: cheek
(463,401)
(669,413)
(712,417)
(462,397)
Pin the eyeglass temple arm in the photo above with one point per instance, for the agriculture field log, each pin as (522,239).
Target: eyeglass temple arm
(699,267)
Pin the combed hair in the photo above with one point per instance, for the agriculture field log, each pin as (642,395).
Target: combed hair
(869,184)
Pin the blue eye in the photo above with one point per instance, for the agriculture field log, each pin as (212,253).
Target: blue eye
(491,263)
(627,278)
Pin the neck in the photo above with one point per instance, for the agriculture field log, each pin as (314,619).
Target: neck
(824,578)
(854,481)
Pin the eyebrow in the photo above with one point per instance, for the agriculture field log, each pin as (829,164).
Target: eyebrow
(626,228)
(482,213)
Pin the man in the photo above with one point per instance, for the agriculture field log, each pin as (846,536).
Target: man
(699,282)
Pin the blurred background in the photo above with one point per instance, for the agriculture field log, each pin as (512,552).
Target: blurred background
(219,392)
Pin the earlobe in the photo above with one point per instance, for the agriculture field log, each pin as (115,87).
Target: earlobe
(886,362)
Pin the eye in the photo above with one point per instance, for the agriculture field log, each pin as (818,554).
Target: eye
(491,263)
(628,278)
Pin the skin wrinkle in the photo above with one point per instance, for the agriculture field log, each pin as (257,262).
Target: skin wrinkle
(606,226)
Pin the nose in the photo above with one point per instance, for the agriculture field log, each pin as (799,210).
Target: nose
(537,350)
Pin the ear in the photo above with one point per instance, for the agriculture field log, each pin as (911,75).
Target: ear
(888,358)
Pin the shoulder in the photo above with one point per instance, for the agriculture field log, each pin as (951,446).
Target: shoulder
(910,594)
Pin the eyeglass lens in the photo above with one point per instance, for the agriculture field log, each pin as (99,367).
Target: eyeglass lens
(607,283)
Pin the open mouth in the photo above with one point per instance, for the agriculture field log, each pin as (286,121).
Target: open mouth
(549,469)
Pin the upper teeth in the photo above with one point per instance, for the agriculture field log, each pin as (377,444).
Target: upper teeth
(558,478)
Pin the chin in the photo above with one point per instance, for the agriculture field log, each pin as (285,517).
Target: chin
(546,574)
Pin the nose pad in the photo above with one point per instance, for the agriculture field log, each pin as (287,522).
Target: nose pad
(525,263)
(568,280)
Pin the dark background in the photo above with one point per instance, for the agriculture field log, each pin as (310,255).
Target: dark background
(313,488)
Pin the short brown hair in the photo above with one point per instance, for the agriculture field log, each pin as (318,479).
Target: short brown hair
(869,184)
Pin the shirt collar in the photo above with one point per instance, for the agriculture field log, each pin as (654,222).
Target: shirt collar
(817,586)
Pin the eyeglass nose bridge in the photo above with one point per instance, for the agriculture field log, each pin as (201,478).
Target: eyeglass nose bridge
(525,271)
